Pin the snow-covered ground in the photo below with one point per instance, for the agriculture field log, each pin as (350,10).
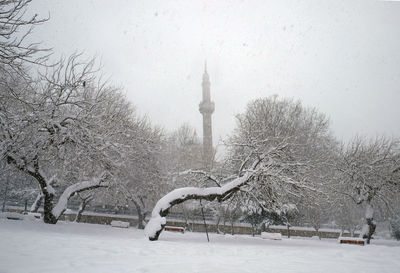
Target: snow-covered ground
(69,247)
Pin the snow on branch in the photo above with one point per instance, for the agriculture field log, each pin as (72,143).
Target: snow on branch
(157,221)
(76,188)
(16,27)
(203,173)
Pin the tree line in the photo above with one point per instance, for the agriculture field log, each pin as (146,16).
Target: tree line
(71,135)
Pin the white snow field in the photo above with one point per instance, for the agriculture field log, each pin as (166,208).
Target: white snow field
(70,247)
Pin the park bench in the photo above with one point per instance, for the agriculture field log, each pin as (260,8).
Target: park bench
(352,241)
(174,229)
(119,224)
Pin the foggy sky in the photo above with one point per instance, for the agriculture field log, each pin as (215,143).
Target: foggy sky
(341,57)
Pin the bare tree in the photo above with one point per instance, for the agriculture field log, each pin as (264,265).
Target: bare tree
(306,156)
(370,175)
(275,150)
(141,177)
(64,130)
(347,214)
(15,186)
(289,214)
(315,209)
(182,150)
(233,212)
(15,28)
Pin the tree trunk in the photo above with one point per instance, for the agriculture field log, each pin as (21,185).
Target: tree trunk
(318,233)
(48,194)
(141,215)
(5,196)
(224,223)
(204,220)
(217,224)
(48,216)
(186,217)
(141,218)
(369,228)
(78,216)
(38,202)
(51,212)
(82,207)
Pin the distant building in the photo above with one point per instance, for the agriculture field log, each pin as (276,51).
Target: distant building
(206,108)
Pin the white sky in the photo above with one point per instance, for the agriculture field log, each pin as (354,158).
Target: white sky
(342,57)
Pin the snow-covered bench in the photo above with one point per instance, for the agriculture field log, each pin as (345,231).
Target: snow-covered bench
(351,240)
(12,216)
(119,224)
(271,236)
(175,229)
(20,216)
(35,215)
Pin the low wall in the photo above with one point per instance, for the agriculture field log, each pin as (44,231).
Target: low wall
(308,232)
(198,226)
(212,227)
(246,229)
(100,219)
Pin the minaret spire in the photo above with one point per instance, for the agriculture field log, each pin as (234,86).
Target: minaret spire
(206,108)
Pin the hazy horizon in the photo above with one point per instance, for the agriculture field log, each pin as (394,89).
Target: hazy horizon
(342,58)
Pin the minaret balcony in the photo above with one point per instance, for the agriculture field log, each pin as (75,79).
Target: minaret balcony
(206,107)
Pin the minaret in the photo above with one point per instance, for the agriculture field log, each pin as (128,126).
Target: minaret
(206,108)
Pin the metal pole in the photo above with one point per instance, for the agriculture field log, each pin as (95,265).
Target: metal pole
(204,219)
